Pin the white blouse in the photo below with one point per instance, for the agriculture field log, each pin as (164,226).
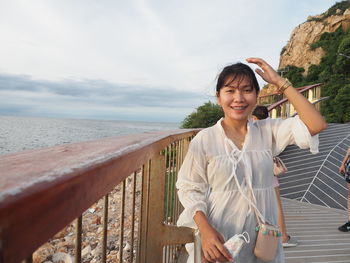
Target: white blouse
(206,181)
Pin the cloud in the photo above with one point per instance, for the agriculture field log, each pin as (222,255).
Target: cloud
(96,98)
(150,55)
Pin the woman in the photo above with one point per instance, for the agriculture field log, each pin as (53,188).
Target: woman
(236,150)
(342,169)
(260,113)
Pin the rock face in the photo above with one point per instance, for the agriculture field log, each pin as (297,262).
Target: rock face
(298,52)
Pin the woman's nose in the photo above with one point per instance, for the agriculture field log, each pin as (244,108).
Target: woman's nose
(238,95)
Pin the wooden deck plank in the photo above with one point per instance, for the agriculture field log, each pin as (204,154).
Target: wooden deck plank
(316,228)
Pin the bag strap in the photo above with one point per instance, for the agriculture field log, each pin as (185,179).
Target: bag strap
(260,218)
(245,236)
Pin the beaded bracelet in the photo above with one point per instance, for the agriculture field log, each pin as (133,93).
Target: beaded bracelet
(285,85)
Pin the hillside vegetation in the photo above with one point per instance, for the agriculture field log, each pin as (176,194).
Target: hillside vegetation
(321,48)
(333,71)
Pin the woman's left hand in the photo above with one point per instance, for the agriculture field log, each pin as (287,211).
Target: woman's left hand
(267,72)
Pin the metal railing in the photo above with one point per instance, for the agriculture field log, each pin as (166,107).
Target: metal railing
(283,109)
(119,192)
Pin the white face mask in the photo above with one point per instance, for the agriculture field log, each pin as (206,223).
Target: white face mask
(235,243)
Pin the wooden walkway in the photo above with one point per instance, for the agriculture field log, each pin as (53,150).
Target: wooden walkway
(316,228)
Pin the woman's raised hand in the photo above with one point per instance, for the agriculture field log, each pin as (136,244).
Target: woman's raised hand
(213,245)
(266,71)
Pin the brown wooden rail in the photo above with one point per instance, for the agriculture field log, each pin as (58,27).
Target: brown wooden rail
(301,90)
(43,190)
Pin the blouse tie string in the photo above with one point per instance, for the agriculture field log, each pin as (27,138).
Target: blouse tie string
(235,159)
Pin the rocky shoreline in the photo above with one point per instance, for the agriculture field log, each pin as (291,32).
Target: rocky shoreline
(61,247)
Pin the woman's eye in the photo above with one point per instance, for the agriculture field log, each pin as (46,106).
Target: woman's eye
(248,90)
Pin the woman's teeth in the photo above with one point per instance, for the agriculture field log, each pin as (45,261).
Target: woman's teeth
(239,108)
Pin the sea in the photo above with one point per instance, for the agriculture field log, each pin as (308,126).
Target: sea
(26,133)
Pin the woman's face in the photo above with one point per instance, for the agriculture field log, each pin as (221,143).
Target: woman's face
(237,98)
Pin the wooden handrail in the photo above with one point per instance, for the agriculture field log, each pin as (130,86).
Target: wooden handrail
(275,93)
(57,184)
(306,88)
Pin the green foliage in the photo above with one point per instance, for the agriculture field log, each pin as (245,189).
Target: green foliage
(313,74)
(327,39)
(204,116)
(283,50)
(333,71)
(294,74)
(342,6)
(317,19)
(342,64)
(342,100)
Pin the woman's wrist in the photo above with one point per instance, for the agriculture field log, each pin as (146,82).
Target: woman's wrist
(203,225)
(279,82)
(283,85)
(201,220)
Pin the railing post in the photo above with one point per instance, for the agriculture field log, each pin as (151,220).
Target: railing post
(156,208)
(154,233)
(142,244)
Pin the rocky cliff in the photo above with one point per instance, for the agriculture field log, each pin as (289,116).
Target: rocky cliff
(298,53)
(298,50)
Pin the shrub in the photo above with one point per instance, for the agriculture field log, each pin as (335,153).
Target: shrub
(204,116)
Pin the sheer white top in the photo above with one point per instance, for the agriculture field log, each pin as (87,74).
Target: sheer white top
(206,179)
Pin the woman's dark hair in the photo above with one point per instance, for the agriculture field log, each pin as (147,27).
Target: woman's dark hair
(261,112)
(238,70)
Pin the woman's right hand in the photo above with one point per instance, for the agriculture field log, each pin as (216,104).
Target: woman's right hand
(267,72)
(213,245)
(342,169)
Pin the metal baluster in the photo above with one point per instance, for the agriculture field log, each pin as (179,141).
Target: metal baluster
(121,230)
(78,233)
(105,228)
(133,217)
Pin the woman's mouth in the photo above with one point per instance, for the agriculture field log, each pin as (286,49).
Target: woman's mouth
(238,108)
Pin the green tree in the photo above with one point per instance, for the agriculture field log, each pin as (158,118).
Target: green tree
(333,71)
(204,116)
(294,74)
(342,100)
(342,64)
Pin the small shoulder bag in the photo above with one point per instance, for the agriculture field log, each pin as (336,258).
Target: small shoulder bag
(279,167)
(268,235)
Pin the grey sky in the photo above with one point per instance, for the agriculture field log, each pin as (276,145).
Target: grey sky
(135,59)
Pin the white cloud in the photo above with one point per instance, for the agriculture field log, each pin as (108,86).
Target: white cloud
(178,45)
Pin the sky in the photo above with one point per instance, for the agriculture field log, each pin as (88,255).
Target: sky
(137,60)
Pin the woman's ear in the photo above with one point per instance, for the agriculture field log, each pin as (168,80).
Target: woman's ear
(218,101)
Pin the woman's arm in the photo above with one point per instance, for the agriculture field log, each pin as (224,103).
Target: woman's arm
(342,166)
(307,112)
(192,185)
(212,241)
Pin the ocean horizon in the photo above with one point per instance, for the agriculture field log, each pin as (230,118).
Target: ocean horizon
(21,133)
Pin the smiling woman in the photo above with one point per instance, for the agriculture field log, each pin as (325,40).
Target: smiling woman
(226,180)
(237,91)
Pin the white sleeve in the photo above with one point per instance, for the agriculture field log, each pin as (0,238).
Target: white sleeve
(192,184)
(292,131)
